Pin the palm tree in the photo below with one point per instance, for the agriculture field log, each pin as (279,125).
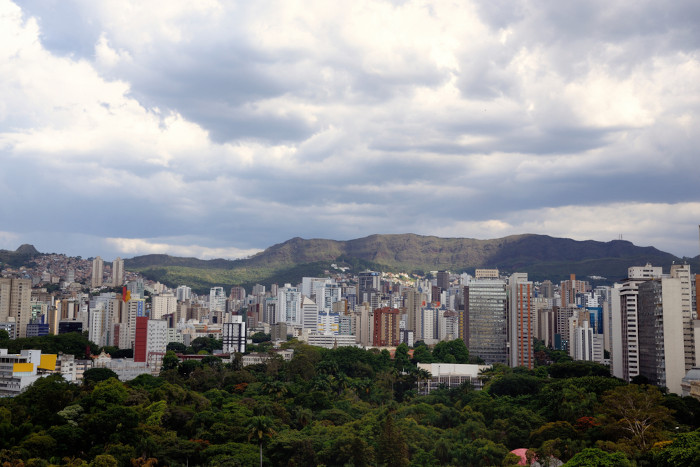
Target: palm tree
(259,427)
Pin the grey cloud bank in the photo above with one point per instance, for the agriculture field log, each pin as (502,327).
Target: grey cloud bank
(220,128)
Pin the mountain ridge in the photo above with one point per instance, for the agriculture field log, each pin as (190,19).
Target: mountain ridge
(542,256)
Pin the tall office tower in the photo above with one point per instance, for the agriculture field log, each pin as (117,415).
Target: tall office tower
(661,345)
(309,313)
(682,273)
(289,305)
(484,324)
(570,288)
(258,289)
(443,280)
(522,321)
(237,293)
(270,315)
(368,283)
(413,301)
(628,292)
(183,293)
(386,327)
(217,299)
(163,304)
(117,272)
(233,333)
(97,272)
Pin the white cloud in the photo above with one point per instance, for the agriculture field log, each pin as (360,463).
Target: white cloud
(267,120)
(141,246)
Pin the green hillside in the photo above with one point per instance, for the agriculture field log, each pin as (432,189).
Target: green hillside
(541,256)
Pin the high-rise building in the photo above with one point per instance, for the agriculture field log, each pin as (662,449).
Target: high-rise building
(661,345)
(570,288)
(234,334)
(117,272)
(163,304)
(289,305)
(183,293)
(15,303)
(484,327)
(309,311)
(522,320)
(628,291)
(157,339)
(217,299)
(682,273)
(140,338)
(368,284)
(97,272)
(443,280)
(237,293)
(386,327)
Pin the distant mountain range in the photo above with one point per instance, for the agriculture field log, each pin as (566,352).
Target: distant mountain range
(541,256)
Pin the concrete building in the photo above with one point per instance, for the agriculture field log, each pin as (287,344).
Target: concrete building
(661,344)
(97,272)
(157,337)
(485,330)
(183,293)
(162,305)
(522,319)
(449,375)
(234,334)
(289,305)
(217,299)
(15,303)
(570,288)
(117,272)
(309,312)
(18,371)
(386,327)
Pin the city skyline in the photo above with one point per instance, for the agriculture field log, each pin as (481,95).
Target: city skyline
(214,129)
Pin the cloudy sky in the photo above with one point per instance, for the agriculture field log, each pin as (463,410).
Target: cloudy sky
(218,128)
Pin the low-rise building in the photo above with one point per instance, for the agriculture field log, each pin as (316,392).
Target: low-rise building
(18,371)
(450,375)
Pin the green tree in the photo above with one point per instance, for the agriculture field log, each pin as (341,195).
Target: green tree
(683,451)
(637,413)
(95,375)
(260,427)
(177,347)
(104,460)
(393,451)
(454,351)
(594,457)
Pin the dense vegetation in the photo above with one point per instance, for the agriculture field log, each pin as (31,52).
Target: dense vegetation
(346,406)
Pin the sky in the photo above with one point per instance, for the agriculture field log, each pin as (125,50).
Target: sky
(219,128)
